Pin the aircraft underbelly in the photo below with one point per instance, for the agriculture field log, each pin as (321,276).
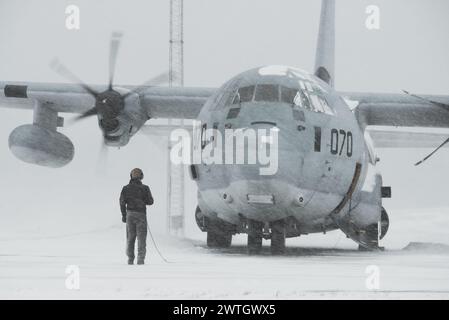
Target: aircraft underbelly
(270,201)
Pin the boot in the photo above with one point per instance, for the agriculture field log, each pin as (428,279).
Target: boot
(140,261)
(130,261)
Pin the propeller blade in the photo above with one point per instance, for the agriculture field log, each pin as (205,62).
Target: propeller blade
(114,47)
(433,152)
(439,104)
(161,78)
(63,71)
(88,113)
(158,135)
(155,131)
(102,160)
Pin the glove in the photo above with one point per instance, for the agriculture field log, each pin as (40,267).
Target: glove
(124,218)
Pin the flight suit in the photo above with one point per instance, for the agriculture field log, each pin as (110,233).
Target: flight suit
(133,201)
(136,227)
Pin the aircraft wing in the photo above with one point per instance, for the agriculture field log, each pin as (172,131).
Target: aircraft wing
(175,102)
(407,137)
(159,102)
(400,110)
(402,120)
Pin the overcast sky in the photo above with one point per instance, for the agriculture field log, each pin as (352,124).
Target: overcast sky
(222,38)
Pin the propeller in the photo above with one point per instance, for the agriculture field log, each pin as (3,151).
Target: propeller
(109,103)
(63,71)
(439,104)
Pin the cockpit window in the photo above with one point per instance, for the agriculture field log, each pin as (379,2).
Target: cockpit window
(304,99)
(267,92)
(288,95)
(307,95)
(244,94)
(295,97)
(313,98)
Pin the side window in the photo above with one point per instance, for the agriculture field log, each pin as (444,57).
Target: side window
(233,113)
(230,98)
(228,94)
(267,92)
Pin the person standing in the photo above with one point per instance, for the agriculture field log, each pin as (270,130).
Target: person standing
(134,198)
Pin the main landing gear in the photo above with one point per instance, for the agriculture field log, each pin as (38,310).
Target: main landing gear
(219,232)
(218,235)
(255,235)
(375,232)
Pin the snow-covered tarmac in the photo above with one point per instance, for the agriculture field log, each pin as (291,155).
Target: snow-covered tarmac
(33,265)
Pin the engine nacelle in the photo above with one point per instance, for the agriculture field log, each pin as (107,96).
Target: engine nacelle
(37,145)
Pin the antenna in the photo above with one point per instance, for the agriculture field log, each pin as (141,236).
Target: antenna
(176,65)
(175,175)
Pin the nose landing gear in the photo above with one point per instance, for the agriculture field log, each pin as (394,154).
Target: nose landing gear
(278,237)
(256,234)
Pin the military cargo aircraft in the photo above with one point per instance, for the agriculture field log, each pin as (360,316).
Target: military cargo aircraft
(326,177)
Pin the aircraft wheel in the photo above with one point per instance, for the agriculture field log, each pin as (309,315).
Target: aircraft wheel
(363,249)
(371,238)
(255,231)
(278,237)
(217,237)
(384,223)
(218,240)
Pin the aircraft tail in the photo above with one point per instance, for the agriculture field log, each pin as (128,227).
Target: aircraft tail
(325,52)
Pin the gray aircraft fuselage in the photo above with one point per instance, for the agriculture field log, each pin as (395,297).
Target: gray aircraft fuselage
(324,164)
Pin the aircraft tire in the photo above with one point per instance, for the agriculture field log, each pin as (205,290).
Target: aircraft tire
(255,229)
(278,237)
(371,237)
(217,237)
(384,223)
